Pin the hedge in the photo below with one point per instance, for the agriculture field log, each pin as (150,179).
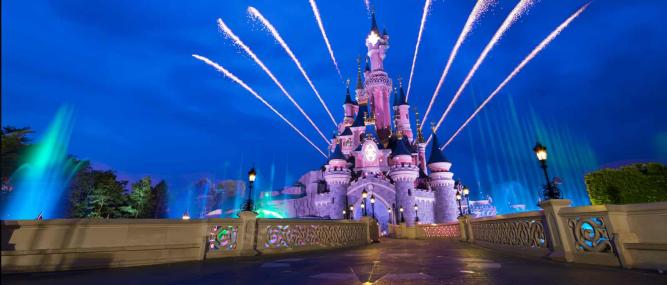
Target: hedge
(636,183)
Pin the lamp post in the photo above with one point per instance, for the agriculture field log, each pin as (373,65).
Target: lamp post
(364,195)
(373,205)
(466,192)
(416,215)
(344,214)
(458,199)
(390,214)
(550,190)
(352,212)
(249,205)
(402,218)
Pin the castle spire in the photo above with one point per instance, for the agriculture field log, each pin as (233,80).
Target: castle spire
(359,84)
(348,97)
(420,136)
(374,25)
(436,153)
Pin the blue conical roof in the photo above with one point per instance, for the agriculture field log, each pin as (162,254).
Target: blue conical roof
(346,132)
(436,153)
(401,148)
(337,154)
(359,120)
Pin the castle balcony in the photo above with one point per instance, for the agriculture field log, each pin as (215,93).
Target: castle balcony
(378,78)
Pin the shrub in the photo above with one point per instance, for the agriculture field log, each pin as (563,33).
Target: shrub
(636,183)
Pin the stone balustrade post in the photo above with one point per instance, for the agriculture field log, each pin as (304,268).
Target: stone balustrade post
(556,229)
(463,228)
(248,234)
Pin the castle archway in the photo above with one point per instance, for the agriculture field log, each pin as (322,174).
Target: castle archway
(385,199)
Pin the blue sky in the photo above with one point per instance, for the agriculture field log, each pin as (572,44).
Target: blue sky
(144,106)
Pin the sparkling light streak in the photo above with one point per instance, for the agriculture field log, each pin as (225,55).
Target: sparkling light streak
(427,5)
(477,11)
(238,81)
(519,67)
(324,34)
(368,6)
(514,15)
(257,15)
(240,43)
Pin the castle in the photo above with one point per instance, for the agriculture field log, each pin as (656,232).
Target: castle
(378,164)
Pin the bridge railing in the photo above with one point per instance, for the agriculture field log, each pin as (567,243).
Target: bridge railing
(631,236)
(55,245)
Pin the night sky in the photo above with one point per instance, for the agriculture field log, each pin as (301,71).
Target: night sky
(144,106)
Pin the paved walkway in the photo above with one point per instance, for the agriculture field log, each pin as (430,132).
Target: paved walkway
(390,262)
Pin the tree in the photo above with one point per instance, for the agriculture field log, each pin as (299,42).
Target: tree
(140,198)
(107,198)
(636,183)
(15,142)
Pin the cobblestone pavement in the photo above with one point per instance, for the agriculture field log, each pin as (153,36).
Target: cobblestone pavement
(390,262)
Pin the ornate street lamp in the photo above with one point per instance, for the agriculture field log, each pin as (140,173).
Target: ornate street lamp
(458,199)
(352,212)
(389,219)
(344,214)
(466,192)
(416,215)
(402,218)
(373,205)
(364,194)
(550,189)
(249,205)
(186,216)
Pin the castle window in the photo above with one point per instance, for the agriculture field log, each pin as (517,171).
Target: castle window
(409,192)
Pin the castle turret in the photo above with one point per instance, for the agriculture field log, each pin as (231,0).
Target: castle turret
(402,113)
(421,145)
(350,108)
(337,177)
(442,184)
(403,172)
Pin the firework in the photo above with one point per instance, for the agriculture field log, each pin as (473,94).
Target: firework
(427,4)
(521,65)
(324,34)
(257,15)
(240,82)
(477,11)
(514,15)
(240,43)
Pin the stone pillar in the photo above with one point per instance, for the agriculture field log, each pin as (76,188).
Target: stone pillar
(445,209)
(248,232)
(404,180)
(556,229)
(338,179)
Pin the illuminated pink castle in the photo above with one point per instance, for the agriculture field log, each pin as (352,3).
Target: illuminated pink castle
(379,154)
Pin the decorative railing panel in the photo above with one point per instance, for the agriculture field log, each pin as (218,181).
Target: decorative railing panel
(442,231)
(524,232)
(589,234)
(311,235)
(223,237)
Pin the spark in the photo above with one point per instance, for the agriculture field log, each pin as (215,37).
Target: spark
(427,4)
(514,15)
(257,15)
(480,8)
(368,6)
(240,82)
(240,43)
(521,65)
(324,34)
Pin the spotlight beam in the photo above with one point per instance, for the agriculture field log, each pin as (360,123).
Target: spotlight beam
(257,15)
(240,43)
(316,12)
(513,16)
(477,11)
(231,76)
(427,4)
(519,67)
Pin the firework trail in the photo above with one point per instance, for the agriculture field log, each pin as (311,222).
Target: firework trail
(514,15)
(521,65)
(477,11)
(368,6)
(427,4)
(237,80)
(324,34)
(240,43)
(257,15)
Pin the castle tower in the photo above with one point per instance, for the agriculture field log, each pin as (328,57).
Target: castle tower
(402,113)
(404,173)
(377,84)
(445,208)
(350,108)
(337,177)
